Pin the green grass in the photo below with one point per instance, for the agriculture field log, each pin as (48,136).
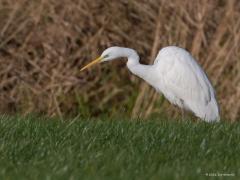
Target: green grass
(41,148)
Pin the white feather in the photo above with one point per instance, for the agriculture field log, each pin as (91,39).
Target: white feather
(177,75)
(185,84)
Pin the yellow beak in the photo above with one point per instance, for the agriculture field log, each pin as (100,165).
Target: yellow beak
(92,63)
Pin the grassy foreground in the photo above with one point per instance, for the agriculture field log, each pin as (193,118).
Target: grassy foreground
(39,148)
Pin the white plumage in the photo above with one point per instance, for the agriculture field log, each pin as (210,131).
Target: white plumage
(175,74)
(184,83)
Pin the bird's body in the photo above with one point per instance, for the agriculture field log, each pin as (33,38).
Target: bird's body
(176,75)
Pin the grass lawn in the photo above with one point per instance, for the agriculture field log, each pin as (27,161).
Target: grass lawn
(41,148)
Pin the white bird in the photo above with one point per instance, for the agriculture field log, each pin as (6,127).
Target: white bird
(176,74)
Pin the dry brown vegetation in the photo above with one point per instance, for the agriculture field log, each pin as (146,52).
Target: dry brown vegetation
(43,44)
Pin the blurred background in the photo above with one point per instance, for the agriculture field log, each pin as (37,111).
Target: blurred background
(44,43)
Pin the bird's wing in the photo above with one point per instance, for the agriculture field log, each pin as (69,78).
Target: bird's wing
(182,76)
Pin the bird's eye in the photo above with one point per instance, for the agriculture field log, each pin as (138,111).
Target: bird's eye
(106,56)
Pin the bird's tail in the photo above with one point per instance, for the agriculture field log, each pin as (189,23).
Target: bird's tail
(211,112)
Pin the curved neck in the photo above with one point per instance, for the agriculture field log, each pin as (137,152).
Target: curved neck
(129,53)
(143,71)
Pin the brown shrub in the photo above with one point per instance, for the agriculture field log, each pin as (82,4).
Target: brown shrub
(44,43)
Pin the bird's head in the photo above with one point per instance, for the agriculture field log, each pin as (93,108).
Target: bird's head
(107,55)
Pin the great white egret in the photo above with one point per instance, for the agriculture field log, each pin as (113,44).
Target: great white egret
(175,74)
